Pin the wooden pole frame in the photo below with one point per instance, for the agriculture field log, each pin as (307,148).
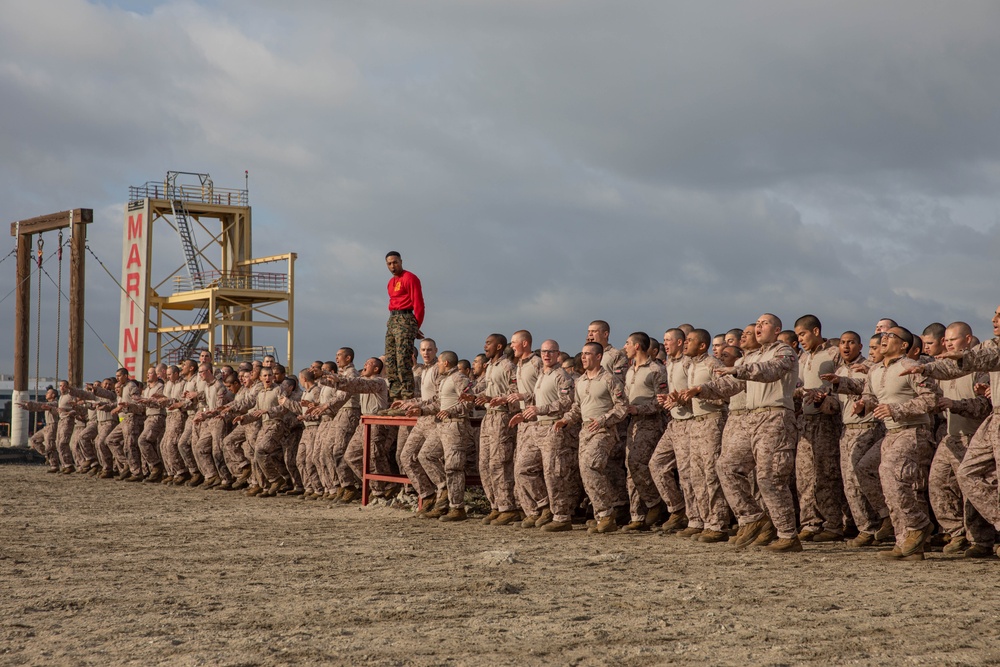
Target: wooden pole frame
(24,230)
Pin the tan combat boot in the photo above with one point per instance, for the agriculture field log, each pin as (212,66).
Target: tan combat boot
(454,514)
(767,535)
(885,533)
(676,521)
(655,514)
(426,505)
(785,545)
(604,525)
(914,541)
(713,536)
(440,507)
(958,545)
(557,526)
(349,495)
(635,527)
(827,536)
(506,518)
(862,540)
(241,481)
(979,551)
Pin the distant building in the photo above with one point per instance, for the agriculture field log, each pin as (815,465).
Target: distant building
(35,419)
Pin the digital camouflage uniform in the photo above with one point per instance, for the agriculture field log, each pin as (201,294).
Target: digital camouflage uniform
(906,448)
(642,384)
(977,474)
(496,438)
(860,454)
(601,399)
(817,457)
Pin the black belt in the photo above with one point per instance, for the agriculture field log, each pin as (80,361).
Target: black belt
(407,310)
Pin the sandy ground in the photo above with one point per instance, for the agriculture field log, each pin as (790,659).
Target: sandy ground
(96,572)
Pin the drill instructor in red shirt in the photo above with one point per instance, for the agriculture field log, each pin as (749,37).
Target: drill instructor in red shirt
(406,315)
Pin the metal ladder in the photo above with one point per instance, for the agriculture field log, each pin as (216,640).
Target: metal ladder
(193,338)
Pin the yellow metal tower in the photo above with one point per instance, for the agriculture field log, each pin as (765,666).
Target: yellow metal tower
(220,292)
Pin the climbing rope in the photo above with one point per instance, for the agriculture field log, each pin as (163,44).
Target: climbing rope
(59,304)
(38,327)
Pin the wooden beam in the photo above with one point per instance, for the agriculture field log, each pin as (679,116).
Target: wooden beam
(77,278)
(44,223)
(22,313)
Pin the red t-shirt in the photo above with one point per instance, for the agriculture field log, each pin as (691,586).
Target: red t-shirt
(405,294)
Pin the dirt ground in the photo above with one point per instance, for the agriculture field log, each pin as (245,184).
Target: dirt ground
(96,572)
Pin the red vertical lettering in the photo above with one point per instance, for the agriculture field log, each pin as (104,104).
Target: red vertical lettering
(132,283)
(133,257)
(135,227)
(132,340)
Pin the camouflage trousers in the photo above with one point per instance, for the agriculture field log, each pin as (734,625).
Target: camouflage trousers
(768,450)
(402,433)
(131,429)
(672,456)
(305,460)
(232,450)
(400,332)
(74,444)
(817,475)
(431,459)
(736,434)
(378,455)
(423,473)
(64,433)
(322,455)
(345,425)
(705,443)
(977,477)
(950,507)
(290,451)
(560,468)
(251,431)
(268,451)
(185,444)
(529,471)
(472,460)
(115,442)
(455,436)
(208,449)
(201,449)
(43,441)
(496,460)
(643,434)
(860,456)
(617,473)
(149,441)
(595,451)
(104,455)
(906,460)
(172,430)
(85,436)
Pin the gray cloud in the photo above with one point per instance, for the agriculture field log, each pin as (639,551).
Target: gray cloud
(539,165)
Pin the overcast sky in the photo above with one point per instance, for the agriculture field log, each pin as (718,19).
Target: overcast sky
(538,164)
